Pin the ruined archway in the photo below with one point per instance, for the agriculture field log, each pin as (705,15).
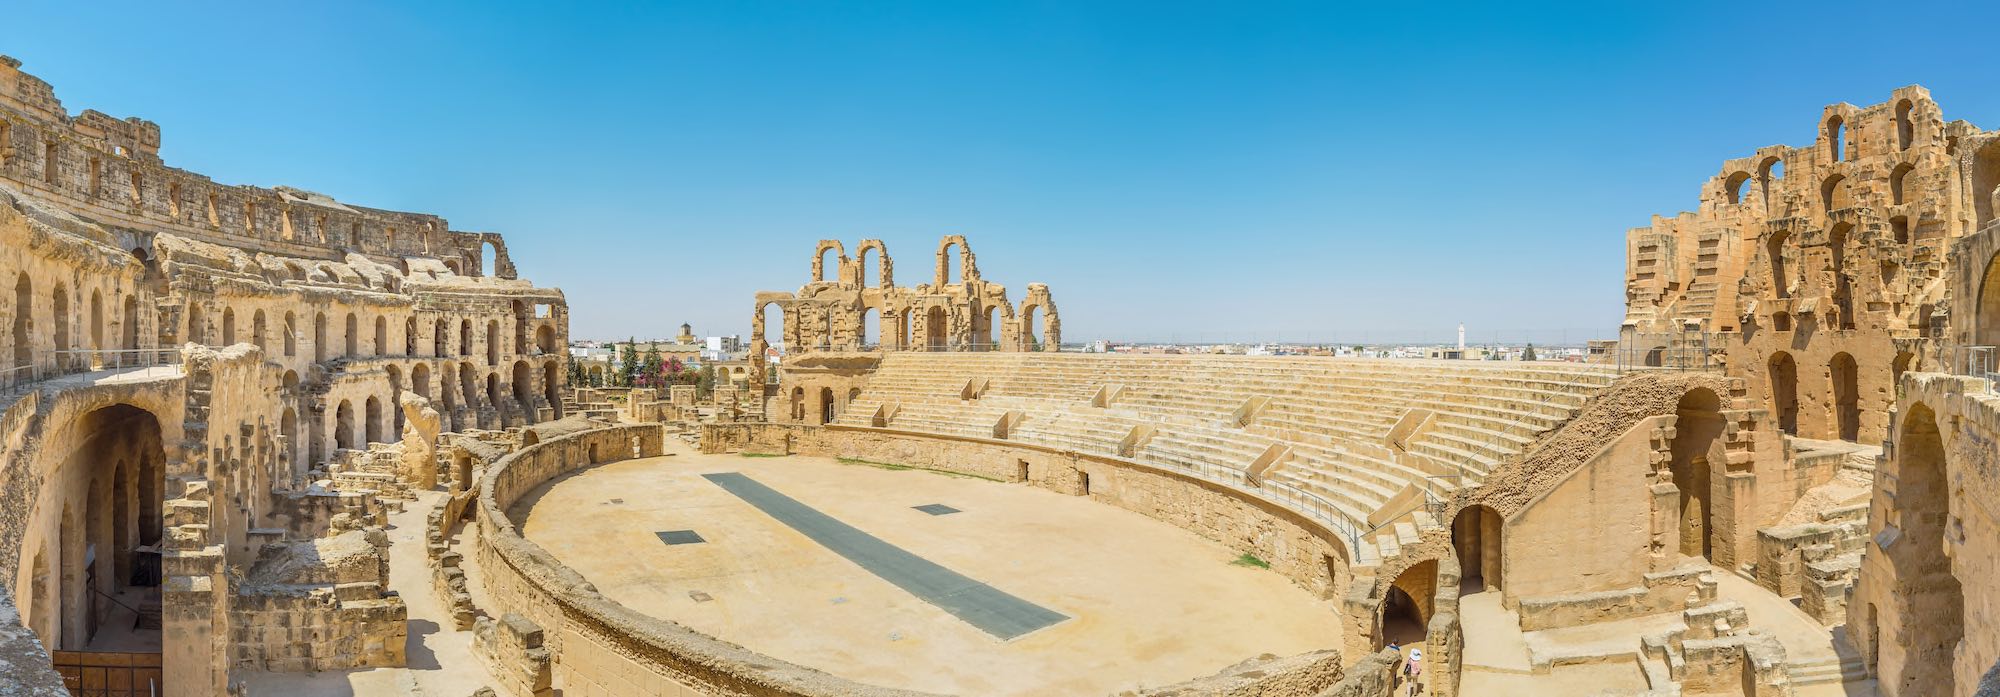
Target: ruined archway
(1475,535)
(1986,325)
(1934,600)
(1846,396)
(352,336)
(381,335)
(372,421)
(552,388)
(1408,602)
(937,329)
(343,426)
(96,563)
(319,337)
(1697,451)
(524,390)
(1774,251)
(1784,391)
(798,404)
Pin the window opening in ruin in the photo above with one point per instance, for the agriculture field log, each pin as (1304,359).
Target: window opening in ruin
(949,269)
(1846,397)
(798,404)
(214,213)
(1833,193)
(936,329)
(440,340)
(353,235)
(381,335)
(1083,482)
(1985,180)
(373,423)
(774,326)
(174,200)
(50,162)
(61,317)
(871,329)
(492,342)
(228,326)
(1781,321)
(250,218)
(257,331)
(1896,183)
(1408,603)
(1031,328)
(1905,130)
(96,321)
(545,339)
(1775,251)
(343,426)
(352,335)
(286,229)
(291,330)
(96,177)
(392,238)
(489,259)
(552,388)
(991,332)
(288,427)
(138,188)
(1899,227)
(465,337)
(827,265)
(493,390)
(1737,187)
(1773,169)
(1475,535)
(410,336)
(1836,135)
(867,276)
(1784,376)
(826,410)
(524,389)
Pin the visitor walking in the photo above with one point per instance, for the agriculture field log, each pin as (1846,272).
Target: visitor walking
(1413,670)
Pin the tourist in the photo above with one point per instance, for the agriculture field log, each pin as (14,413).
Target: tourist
(1414,669)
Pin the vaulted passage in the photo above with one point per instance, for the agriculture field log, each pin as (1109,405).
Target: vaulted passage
(1934,615)
(1697,450)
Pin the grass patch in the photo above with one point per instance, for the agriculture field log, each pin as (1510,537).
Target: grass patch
(1251,560)
(760,454)
(905,468)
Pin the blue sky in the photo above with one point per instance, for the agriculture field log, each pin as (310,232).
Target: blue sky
(1171,170)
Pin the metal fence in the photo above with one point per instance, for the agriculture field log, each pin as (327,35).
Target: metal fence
(72,362)
(1976,361)
(1685,351)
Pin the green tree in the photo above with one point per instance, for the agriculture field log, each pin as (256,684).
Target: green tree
(651,369)
(1529,354)
(628,367)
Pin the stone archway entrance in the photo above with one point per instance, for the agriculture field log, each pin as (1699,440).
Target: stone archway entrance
(1697,449)
(1475,534)
(1933,614)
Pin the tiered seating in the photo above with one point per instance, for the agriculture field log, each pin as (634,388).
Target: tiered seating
(1334,414)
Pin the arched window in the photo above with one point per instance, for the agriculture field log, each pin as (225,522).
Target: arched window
(1784,391)
(291,335)
(228,326)
(1770,170)
(381,335)
(1836,137)
(1906,131)
(353,336)
(1774,249)
(1833,193)
(1736,187)
(1896,179)
(1846,397)
(257,331)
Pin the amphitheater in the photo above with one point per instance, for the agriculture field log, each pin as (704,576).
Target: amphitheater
(264,442)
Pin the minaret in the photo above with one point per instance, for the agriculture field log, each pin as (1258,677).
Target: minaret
(1461,338)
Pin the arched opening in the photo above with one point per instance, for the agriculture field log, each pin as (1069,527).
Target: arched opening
(197,325)
(865,268)
(319,338)
(1846,396)
(1843,288)
(901,326)
(1906,131)
(1985,179)
(489,259)
(128,321)
(24,311)
(871,328)
(798,404)
(493,390)
(1784,376)
(1475,535)
(545,339)
(1770,170)
(520,327)
(936,329)
(826,410)
(258,331)
(1896,181)
(61,318)
(381,335)
(524,389)
(291,335)
(552,388)
(774,325)
(105,565)
(1833,193)
(228,326)
(1899,227)
(465,337)
(1898,367)
(1774,250)
(1836,138)
(828,265)
(410,336)
(420,380)
(372,423)
(395,374)
(1697,449)
(1935,621)
(1408,603)
(353,336)
(288,454)
(493,342)
(468,383)
(1781,321)
(447,394)
(96,321)
(1737,187)
(952,271)
(343,426)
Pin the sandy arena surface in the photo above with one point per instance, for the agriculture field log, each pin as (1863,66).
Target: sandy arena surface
(1149,604)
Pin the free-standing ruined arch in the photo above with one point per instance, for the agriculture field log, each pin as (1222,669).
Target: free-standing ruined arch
(819,262)
(886,269)
(968,265)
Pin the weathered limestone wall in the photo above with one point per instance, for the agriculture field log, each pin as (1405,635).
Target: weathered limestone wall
(1598,521)
(1927,598)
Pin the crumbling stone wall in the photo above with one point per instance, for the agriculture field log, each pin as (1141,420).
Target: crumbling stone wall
(956,311)
(1821,273)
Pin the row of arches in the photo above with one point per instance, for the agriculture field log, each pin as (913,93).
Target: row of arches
(355,422)
(1842,392)
(955,264)
(377,342)
(932,327)
(97,324)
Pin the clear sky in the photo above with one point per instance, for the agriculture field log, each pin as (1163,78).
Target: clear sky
(1172,170)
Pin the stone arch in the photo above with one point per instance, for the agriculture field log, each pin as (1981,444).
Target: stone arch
(372,421)
(937,329)
(1735,187)
(1774,251)
(1408,603)
(1898,180)
(291,335)
(1933,619)
(420,379)
(493,342)
(1770,170)
(319,337)
(545,339)
(1846,398)
(1906,130)
(885,275)
(228,327)
(24,313)
(798,404)
(1696,453)
(1833,194)
(118,469)
(1836,138)
(524,389)
(441,339)
(351,336)
(819,261)
(552,387)
(381,335)
(870,327)
(128,320)
(968,268)
(258,331)
(1476,536)
(343,426)
(827,412)
(465,337)
(410,336)
(520,326)
(1783,373)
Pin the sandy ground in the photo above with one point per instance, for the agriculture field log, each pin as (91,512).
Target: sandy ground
(440,660)
(1149,604)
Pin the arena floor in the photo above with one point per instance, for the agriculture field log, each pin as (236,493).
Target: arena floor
(1124,601)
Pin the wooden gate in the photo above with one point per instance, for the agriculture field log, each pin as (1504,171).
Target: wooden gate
(110,674)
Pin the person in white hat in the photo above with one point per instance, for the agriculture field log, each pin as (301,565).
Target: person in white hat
(1414,669)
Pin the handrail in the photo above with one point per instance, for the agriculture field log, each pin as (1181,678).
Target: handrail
(75,361)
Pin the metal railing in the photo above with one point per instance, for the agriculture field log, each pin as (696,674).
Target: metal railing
(1685,351)
(1979,362)
(77,361)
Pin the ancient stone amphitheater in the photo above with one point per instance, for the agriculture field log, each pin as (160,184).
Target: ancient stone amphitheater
(259,441)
